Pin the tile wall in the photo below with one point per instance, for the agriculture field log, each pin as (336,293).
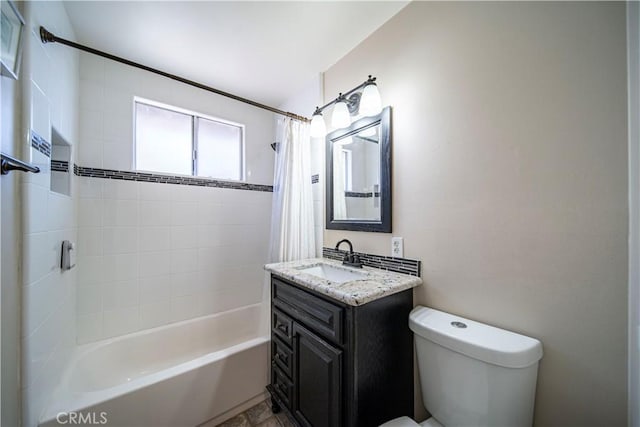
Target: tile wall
(152,253)
(159,253)
(50,86)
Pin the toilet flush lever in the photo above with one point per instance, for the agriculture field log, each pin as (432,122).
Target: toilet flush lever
(67,261)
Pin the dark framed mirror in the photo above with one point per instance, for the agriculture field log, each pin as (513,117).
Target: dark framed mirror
(358,182)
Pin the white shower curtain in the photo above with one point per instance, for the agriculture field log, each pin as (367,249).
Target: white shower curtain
(292,227)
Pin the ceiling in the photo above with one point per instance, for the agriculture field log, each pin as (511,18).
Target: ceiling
(264,51)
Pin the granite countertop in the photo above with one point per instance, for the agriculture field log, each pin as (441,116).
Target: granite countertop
(375,285)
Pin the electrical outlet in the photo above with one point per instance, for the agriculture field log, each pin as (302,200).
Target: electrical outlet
(397,247)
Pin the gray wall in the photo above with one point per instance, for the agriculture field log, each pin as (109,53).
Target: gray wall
(510,180)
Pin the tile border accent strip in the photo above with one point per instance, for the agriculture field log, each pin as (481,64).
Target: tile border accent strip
(398,265)
(167,179)
(361,195)
(315,178)
(59,166)
(40,144)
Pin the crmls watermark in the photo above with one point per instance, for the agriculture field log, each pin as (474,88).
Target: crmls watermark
(71,418)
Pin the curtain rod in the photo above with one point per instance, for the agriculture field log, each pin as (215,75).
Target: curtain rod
(48,37)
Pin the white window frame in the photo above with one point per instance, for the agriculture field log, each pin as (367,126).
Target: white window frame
(194,137)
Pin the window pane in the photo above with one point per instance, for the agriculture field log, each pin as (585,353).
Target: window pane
(163,140)
(219,150)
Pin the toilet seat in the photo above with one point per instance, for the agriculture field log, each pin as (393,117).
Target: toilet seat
(408,422)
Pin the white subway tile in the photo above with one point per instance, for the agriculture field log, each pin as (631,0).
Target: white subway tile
(185,193)
(118,155)
(155,191)
(209,213)
(121,321)
(43,178)
(155,314)
(120,267)
(90,212)
(186,307)
(92,68)
(89,300)
(36,200)
(120,190)
(154,289)
(39,257)
(154,213)
(90,241)
(61,212)
(184,237)
(90,152)
(91,96)
(116,295)
(184,261)
(91,126)
(186,284)
(89,328)
(118,103)
(40,65)
(38,302)
(120,212)
(120,240)
(152,239)
(40,119)
(89,188)
(184,213)
(90,270)
(155,264)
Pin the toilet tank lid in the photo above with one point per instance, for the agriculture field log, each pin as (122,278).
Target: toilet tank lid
(477,340)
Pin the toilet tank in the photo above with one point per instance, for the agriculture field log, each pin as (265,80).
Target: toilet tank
(472,374)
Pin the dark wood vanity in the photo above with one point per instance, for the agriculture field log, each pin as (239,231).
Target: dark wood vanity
(334,364)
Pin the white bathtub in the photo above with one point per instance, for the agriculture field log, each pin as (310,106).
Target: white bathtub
(182,374)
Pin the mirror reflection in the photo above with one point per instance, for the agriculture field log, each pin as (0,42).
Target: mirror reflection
(356,176)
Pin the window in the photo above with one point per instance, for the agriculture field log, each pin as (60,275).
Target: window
(175,141)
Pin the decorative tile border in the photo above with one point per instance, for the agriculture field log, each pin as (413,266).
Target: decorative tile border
(40,144)
(59,166)
(167,179)
(399,265)
(361,195)
(315,178)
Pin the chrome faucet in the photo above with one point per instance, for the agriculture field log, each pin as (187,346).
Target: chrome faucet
(350,259)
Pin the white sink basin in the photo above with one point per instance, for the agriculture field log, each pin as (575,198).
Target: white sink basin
(333,274)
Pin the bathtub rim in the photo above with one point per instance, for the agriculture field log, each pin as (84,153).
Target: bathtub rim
(63,399)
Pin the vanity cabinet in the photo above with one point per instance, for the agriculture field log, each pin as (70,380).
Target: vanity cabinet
(334,364)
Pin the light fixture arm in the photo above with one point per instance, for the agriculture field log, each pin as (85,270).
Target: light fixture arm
(345,96)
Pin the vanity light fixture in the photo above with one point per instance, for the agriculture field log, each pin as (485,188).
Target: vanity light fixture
(340,117)
(363,100)
(370,102)
(318,128)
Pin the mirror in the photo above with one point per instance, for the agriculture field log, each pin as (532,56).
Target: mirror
(359,175)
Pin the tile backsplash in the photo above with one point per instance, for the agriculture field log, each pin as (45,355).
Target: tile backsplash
(398,265)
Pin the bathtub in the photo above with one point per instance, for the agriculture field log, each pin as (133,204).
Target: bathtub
(183,374)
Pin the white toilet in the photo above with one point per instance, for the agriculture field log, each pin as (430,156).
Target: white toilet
(472,374)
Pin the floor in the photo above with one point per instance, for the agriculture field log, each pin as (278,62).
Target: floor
(259,416)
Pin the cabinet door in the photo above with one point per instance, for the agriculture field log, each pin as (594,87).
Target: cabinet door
(317,380)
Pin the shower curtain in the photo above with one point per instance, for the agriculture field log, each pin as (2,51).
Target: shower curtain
(292,227)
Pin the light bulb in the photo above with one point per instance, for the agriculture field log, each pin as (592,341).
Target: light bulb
(340,117)
(318,128)
(370,102)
